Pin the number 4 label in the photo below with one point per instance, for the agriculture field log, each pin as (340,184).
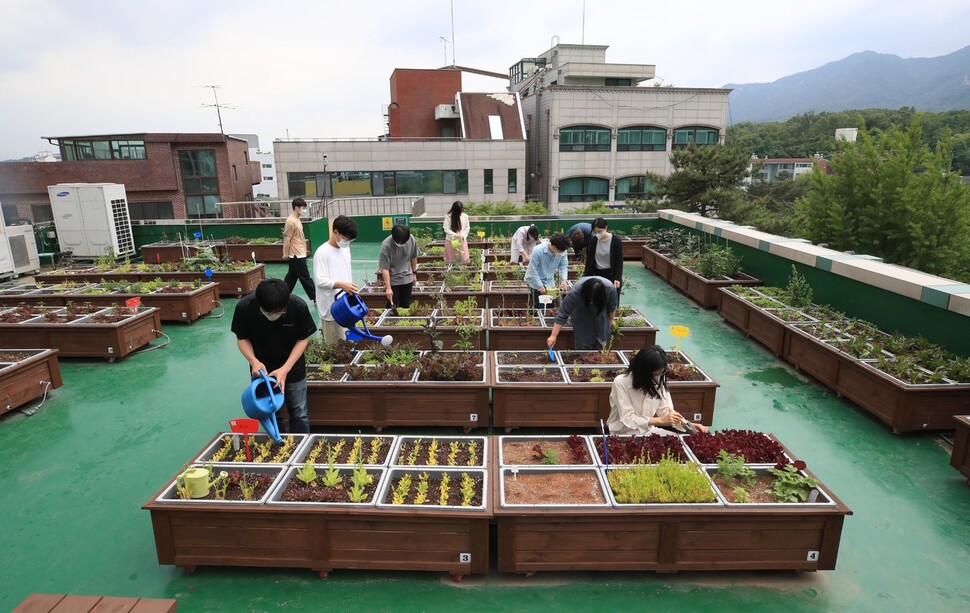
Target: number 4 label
(812,556)
(465,558)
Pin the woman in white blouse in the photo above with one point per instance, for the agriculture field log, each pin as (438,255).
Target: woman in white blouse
(640,400)
(456,231)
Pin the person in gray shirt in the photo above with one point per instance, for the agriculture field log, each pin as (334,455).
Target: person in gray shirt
(591,304)
(398,263)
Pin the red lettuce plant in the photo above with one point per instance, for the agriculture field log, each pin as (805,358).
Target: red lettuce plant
(647,449)
(756,447)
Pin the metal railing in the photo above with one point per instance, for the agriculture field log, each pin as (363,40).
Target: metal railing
(355,207)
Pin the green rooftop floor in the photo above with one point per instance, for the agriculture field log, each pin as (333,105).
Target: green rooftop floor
(74,477)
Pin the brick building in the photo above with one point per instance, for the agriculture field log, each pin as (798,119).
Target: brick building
(166,176)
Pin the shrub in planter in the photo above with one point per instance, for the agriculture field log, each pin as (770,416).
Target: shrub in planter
(716,262)
(669,481)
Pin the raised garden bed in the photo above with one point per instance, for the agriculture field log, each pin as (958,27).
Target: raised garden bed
(960,458)
(421,402)
(312,485)
(522,329)
(633,247)
(346,449)
(234,283)
(454,331)
(26,374)
(444,452)
(702,290)
(106,333)
(556,450)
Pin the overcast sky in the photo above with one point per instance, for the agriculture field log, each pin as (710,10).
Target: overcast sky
(320,68)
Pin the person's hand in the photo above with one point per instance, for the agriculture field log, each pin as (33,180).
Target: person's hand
(255,366)
(616,284)
(669,418)
(414,278)
(347,286)
(564,287)
(280,375)
(542,290)
(700,427)
(551,341)
(390,294)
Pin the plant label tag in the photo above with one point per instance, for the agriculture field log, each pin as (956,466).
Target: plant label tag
(812,556)
(235,443)
(464,558)
(813,496)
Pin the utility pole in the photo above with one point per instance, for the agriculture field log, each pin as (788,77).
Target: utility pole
(217,106)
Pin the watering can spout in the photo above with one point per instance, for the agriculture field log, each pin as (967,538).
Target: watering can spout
(261,400)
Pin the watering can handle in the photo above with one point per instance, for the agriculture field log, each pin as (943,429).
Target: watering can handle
(270,381)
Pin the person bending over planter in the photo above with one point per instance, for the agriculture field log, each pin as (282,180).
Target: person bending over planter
(523,241)
(579,237)
(592,305)
(640,400)
(294,250)
(548,258)
(456,231)
(398,263)
(273,328)
(332,272)
(604,256)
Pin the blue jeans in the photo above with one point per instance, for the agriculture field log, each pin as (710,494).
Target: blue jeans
(295,402)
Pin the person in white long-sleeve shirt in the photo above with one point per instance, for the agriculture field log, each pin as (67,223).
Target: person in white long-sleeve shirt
(332,272)
(523,240)
(456,227)
(640,400)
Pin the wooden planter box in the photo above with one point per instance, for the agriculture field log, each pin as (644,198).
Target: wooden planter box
(648,257)
(666,538)
(633,247)
(86,340)
(812,356)
(172,306)
(231,283)
(448,335)
(156,253)
(35,372)
(960,458)
(491,274)
(701,290)
(657,262)
(770,331)
(377,404)
(509,338)
(507,297)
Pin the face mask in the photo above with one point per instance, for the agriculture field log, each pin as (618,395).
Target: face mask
(400,246)
(656,380)
(343,243)
(271,316)
(600,235)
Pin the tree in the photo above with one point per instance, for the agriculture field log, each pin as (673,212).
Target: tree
(704,178)
(893,196)
(769,206)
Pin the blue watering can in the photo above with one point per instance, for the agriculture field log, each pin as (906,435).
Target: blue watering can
(261,400)
(347,310)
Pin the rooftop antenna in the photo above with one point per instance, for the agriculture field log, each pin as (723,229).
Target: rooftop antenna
(217,106)
(444,43)
(452,35)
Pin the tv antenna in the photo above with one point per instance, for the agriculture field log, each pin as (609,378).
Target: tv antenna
(444,43)
(218,107)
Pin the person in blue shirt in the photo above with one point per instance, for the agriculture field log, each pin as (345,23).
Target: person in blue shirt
(579,237)
(547,259)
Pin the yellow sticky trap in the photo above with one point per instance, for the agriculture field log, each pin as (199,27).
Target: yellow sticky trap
(679,332)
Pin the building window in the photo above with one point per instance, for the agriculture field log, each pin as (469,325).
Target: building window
(42,212)
(10,213)
(633,188)
(266,165)
(267,178)
(584,138)
(72,150)
(150,210)
(583,189)
(449,182)
(641,138)
(200,181)
(349,184)
(235,176)
(513,180)
(307,184)
(618,82)
(695,134)
(489,181)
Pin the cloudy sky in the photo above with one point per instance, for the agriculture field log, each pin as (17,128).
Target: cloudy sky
(320,68)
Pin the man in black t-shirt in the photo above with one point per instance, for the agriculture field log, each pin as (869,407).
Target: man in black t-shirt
(273,329)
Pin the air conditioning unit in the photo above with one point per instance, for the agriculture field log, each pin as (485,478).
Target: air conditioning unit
(23,249)
(92,218)
(6,261)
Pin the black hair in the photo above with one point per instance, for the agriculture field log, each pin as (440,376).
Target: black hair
(400,233)
(272,295)
(346,226)
(647,361)
(578,239)
(299,202)
(533,232)
(599,222)
(559,241)
(593,293)
(457,208)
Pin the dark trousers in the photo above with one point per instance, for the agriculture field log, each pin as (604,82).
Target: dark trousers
(298,270)
(607,273)
(402,295)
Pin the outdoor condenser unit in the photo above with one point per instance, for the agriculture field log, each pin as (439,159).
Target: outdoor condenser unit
(23,249)
(91,218)
(6,261)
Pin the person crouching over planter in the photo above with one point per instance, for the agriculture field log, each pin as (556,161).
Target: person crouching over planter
(592,305)
(640,399)
(547,259)
(604,256)
(398,263)
(523,242)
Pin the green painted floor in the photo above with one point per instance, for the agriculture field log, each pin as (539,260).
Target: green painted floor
(75,475)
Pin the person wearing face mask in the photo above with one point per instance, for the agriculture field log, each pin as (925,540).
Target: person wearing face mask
(398,263)
(591,304)
(523,242)
(456,226)
(273,328)
(640,399)
(294,250)
(332,272)
(548,258)
(604,255)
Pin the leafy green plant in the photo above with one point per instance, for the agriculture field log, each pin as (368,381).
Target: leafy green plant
(741,495)
(798,290)
(731,468)
(716,262)
(467,490)
(307,474)
(790,485)
(668,481)
(331,478)
(550,456)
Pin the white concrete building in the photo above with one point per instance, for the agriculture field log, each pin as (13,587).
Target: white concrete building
(266,189)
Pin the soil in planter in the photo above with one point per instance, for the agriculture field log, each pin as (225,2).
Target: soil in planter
(433,496)
(755,447)
(262,452)
(595,375)
(683,372)
(553,488)
(175,290)
(19,314)
(320,373)
(759,492)
(85,308)
(590,357)
(15,356)
(60,318)
(260,483)
(346,450)
(530,375)
(540,358)
(434,452)
(108,317)
(450,367)
(648,449)
(298,491)
(525,452)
